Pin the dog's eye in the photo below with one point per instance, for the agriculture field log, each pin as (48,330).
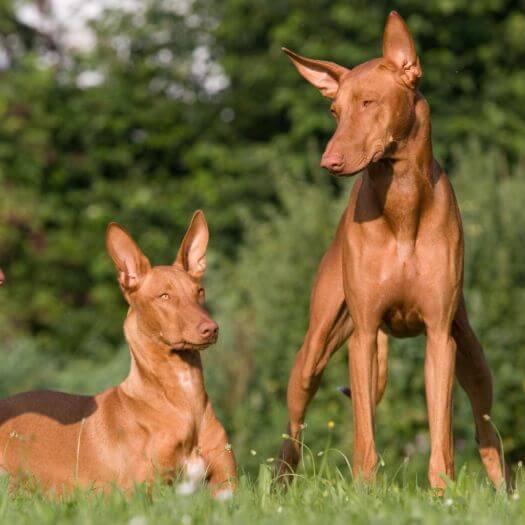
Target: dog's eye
(367,103)
(164,296)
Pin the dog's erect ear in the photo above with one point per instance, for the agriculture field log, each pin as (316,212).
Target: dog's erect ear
(132,265)
(400,51)
(323,75)
(192,251)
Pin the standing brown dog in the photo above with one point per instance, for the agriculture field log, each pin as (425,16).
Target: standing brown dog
(159,421)
(396,262)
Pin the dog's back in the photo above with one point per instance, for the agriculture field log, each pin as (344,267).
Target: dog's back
(39,431)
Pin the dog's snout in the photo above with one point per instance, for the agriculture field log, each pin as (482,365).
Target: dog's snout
(209,330)
(333,162)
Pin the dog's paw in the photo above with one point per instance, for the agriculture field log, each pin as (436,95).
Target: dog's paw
(186,488)
(223,495)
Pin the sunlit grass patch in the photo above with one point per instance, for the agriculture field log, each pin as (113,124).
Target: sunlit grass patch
(326,495)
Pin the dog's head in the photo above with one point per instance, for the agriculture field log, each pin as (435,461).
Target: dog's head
(168,301)
(373,103)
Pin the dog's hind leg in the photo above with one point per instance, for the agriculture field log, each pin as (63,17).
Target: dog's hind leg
(474,376)
(330,325)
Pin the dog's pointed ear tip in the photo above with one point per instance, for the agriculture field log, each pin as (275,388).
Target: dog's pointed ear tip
(394,15)
(395,19)
(115,232)
(114,227)
(199,218)
(199,214)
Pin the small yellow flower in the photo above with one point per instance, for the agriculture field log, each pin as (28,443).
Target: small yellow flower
(486,417)
(270,460)
(285,436)
(253,452)
(330,424)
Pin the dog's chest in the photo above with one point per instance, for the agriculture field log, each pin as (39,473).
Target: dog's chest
(402,314)
(398,279)
(383,265)
(171,444)
(157,443)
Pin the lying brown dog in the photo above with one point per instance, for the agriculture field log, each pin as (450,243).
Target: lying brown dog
(159,420)
(396,263)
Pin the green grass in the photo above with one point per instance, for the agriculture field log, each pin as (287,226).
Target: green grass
(328,496)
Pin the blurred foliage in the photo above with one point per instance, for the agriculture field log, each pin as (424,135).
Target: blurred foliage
(181,105)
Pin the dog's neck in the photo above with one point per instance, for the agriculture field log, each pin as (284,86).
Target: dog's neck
(159,377)
(403,184)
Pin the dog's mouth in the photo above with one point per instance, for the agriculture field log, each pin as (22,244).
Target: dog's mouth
(376,156)
(187,346)
(350,170)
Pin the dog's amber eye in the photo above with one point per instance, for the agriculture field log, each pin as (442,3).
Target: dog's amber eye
(367,103)
(164,296)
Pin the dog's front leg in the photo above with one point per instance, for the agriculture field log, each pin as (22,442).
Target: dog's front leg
(439,378)
(218,455)
(363,379)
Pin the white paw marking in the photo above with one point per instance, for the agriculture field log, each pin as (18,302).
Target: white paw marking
(186,488)
(224,495)
(195,473)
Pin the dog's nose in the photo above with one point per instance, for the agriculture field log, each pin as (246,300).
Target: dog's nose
(209,330)
(334,162)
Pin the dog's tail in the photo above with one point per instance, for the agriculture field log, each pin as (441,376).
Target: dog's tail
(345,390)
